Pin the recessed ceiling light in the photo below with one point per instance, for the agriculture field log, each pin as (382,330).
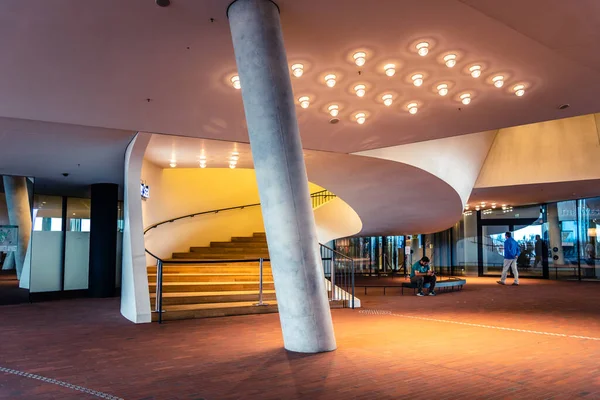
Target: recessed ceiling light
(412,108)
(360,90)
(235,81)
(564,106)
(442,89)
(231,165)
(334,110)
(465,98)
(387,99)
(422,48)
(173,164)
(417,79)
(330,80)
(304,101)
(360,117)
(475,71)
(390,69)
(360,57)
(519,90)
(297,70)
(498,81)
(450,60)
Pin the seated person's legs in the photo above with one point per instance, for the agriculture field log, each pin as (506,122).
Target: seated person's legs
(431,279)
(419,281)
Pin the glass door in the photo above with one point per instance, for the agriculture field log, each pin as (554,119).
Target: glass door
(492,248)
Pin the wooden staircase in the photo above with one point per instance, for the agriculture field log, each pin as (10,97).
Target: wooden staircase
(217,289)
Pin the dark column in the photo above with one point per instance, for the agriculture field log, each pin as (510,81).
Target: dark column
(103,240)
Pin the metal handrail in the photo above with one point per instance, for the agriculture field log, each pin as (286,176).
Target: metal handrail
(332,272)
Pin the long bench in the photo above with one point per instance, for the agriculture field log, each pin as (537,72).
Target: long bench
(449,284)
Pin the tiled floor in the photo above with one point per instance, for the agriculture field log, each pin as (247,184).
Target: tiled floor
(385,356)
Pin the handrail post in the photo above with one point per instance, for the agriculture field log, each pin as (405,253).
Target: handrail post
(260,284)
(159,281)
(352,272)
(332,274)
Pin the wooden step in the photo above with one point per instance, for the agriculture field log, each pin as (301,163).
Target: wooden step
(200,256)
(211,310)
(210,286)
(209,277)
(211,297)
(240,239)
(210,269)
(229,250)
(248,245)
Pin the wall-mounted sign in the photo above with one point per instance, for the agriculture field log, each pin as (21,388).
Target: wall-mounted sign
(9,238)
(145,191)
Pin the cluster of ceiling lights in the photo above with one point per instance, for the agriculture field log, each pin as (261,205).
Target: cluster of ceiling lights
(422,48)
(233,159)
(485,211)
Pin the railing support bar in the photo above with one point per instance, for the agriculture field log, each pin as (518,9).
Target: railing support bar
(260,284)
(159,290)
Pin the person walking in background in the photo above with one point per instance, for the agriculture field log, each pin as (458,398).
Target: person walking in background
(511,252)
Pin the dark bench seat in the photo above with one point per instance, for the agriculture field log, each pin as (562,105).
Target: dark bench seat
(450,284)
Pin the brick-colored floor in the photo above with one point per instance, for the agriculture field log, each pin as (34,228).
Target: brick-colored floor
(87,343)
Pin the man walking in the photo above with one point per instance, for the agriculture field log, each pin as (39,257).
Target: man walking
(420,274)
(511,252)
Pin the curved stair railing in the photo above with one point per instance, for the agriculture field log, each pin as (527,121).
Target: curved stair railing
(339,268)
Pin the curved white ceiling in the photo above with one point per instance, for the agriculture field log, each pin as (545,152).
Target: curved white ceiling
(132,65)
(456,160)
(389,197)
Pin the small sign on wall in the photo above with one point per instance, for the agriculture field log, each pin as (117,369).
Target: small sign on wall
(9,238)
(145,191)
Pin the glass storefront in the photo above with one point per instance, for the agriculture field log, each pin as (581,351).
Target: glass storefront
(557,241)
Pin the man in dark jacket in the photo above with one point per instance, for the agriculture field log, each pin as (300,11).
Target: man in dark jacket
(511,252)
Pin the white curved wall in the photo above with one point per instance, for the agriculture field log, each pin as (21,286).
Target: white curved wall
(336,219)
(135,299)
(456,160)
(181,191)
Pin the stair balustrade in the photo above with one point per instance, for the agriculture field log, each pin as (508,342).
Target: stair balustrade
(338,268)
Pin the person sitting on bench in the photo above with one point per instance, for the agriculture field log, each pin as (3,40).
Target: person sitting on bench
(421,273)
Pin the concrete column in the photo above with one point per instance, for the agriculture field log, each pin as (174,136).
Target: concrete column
(554,235)
(103,240)
(19,213)
(281,175)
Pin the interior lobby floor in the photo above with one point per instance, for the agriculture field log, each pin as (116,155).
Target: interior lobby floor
(540,340)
